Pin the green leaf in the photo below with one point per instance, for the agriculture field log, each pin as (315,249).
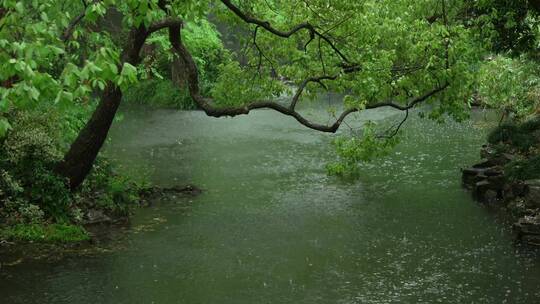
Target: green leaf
(4,127)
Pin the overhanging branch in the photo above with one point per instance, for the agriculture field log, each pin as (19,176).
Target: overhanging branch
(211,110)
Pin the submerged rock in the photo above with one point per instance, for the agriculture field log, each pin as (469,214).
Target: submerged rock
(95,216)
(528,229)
(490,197)
(532,193)
(156,192)
(489,185)
(188,189)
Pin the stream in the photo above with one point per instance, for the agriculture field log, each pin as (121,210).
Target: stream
(272,227)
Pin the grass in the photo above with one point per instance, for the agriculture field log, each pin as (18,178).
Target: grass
(53,233)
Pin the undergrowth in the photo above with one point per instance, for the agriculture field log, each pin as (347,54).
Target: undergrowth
(35,204)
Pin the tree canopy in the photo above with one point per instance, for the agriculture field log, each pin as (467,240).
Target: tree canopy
(86,54)
(66,67)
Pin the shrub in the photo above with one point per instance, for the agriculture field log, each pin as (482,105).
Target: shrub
(523,169)
(503,133)
(516,135)
(159,93)
(531,125)
(510,84)
(35,204)
(105,189)
(27,156)
(30,192)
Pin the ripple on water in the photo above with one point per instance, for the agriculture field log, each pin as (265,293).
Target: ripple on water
(272,227)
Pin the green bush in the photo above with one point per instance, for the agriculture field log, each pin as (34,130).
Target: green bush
(106,190)
(516,135)
(35,203)
(531,125)
(27,158)
(523,169)
(510,84)
(503,133)
(159,93)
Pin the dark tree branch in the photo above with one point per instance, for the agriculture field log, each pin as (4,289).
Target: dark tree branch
(68,32)
(206,105)
(303,86)
(284,34)
(80,157)
(165,23)
(3,12)
(71,27)
(395,128)
(261,53)
(311,38)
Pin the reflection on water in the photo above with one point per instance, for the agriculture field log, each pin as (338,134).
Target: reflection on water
(272,227)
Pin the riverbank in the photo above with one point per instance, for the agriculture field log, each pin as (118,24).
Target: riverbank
(99,233)
(508,177)
(35,204)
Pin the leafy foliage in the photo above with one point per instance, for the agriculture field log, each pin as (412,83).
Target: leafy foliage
(523,169)
(400,52)
(508,25)
(33,198)
(372,51)
(524,136)
(161,93)
(357,149)
(511,85)
(27,157)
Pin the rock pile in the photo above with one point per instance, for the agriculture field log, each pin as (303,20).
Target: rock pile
(489,185)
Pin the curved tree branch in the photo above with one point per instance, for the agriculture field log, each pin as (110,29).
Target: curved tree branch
(211,110)
(68,32)
(395,128)
(261,53)
(285,34)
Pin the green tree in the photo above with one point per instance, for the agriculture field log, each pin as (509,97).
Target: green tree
(508,25)
(508,78)
(380,53)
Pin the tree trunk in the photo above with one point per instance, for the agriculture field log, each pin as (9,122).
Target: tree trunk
(179,73)
(80,158)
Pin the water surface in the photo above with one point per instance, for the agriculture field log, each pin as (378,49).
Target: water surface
(272,227)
